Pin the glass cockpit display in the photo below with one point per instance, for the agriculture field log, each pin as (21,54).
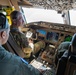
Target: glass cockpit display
(52,36)
(43,32)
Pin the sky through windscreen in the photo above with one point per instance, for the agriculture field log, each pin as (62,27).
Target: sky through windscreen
(35,15)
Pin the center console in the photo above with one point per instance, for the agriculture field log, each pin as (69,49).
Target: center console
(42,65)
(48,54)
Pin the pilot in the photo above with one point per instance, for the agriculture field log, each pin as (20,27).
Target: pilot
(20,38)
(10,64)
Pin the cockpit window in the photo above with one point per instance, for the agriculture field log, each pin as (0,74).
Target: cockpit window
(73,17)
(48,15)
(36,14)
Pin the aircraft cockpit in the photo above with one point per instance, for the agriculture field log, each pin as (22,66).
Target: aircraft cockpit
(46,37)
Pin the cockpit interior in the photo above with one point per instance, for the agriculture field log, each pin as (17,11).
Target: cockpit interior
(46,36)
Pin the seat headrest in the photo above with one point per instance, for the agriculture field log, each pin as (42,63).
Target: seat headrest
(73,44)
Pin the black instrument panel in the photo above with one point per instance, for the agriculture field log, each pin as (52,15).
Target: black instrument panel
(49,36)
(53,37)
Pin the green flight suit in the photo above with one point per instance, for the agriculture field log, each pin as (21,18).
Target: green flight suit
(19,37)
(10,64)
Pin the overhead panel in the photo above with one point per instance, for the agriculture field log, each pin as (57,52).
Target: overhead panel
(59,5)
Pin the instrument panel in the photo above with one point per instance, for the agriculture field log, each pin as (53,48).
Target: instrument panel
(48,36)
(52,34)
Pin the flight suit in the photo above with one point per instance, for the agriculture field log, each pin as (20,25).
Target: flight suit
(21,41)
(10,64)
(19,37)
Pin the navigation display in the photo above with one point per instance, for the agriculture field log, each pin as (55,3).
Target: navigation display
(43,32)
(52,36)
